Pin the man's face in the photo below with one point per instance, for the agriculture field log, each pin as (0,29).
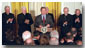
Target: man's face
(65,11)
(7,10)
(73,29)
(47,10)
(24,11)
(43,11)
(77,12)
(28,41)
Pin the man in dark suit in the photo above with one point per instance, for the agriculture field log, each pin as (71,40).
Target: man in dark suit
(8,22)
(77,19)
(43,20)
(47,10)
(24,21)
(65,22)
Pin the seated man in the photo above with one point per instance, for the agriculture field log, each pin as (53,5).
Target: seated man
(69,40)
(27,38)
(43,20)
(36,37)
(54,38)
(44,40)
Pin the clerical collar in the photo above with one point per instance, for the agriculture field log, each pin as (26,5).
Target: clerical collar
(66,14)
(24,14)
(8,13)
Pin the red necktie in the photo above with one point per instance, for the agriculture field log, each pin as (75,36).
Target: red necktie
(43,19)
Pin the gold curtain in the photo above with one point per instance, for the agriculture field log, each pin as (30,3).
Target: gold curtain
(55,8)
(16,7)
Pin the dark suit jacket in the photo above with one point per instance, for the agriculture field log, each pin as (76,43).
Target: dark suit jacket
(39,21)
(7,26)
(21,19)
(77,25)
(51,16)
(62,19)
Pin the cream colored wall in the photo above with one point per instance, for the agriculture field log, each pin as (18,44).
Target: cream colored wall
(72,6)
(5,4)
(34,7)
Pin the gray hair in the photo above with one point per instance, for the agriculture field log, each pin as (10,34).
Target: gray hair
(66,8)
(6,7)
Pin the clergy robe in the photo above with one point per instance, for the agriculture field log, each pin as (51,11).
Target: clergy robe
(65,28)
(77,24)
(7,26)
(21,22)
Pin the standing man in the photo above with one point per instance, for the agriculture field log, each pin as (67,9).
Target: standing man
(47,11)
(65,22)
(77,19)
(24,21)
(8,22)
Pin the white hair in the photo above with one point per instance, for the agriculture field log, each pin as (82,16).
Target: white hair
(26,35)
(7,7)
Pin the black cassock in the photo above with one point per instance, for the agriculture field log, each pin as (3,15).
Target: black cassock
(77,24)
(23,26)
(7,26)
(65,28)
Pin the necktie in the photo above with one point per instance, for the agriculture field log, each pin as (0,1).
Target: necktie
(43,19)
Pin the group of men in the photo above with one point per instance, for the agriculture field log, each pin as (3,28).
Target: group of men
(66,22)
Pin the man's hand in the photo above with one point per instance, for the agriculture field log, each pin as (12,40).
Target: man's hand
(77,20)
(65,23)
(10,20)
(27,21)
(40,26)
(48,25)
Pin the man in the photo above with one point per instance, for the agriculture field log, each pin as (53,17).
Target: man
(27,38)
(65,22)
(70,40)
(44,20)
(8,22)
(54,38)
(77,19)
(24,21)
(47,10)
(36,37)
